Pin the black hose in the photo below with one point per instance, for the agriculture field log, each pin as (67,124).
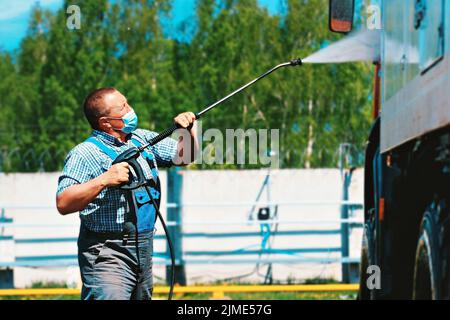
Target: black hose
(169,241)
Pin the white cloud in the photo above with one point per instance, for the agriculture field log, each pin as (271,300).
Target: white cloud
(10,9)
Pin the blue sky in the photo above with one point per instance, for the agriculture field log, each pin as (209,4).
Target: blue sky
(14,15)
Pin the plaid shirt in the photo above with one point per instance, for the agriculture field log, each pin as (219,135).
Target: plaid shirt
(106,213)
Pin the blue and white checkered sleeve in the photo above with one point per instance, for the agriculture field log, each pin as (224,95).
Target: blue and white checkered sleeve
(164,151)
(75,171)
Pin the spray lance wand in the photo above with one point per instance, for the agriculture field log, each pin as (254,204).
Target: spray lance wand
(130,156)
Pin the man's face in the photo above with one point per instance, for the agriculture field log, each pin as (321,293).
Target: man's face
(116,106)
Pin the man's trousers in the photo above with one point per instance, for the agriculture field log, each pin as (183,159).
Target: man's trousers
(115,268)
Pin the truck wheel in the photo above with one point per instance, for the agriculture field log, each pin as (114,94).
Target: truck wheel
(367,259)
(427,269)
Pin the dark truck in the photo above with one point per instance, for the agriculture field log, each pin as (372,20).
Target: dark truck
(407,163)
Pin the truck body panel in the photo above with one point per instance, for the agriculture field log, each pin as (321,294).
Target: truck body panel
(407,163)
(416,70)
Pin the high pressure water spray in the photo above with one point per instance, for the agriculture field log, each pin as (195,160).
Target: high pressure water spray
(131,155)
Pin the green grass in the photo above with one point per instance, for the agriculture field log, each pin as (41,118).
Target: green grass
(60,297)
(271,296)
(228,296)
(206,296)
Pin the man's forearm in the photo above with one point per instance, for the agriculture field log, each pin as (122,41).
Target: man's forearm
(77,197)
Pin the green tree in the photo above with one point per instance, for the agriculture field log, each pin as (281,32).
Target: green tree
(122,44)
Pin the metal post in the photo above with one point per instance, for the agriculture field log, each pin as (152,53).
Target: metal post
(174,195)
(345,251)
(346,168)
(6,274)
(6,278)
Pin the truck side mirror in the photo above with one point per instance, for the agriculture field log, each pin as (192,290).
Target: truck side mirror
(341,15)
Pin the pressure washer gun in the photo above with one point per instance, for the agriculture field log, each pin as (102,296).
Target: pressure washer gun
(131,155)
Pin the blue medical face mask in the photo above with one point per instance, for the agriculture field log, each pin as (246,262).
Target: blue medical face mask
(130,121)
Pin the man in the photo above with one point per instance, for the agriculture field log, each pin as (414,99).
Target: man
(116,263)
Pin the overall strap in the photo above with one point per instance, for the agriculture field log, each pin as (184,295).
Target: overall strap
(148,156)
(103,147)
(145,153)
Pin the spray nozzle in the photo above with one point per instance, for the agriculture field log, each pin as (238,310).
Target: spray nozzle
(296,62)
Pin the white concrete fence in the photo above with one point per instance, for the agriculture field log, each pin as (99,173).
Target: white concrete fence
(213,201)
